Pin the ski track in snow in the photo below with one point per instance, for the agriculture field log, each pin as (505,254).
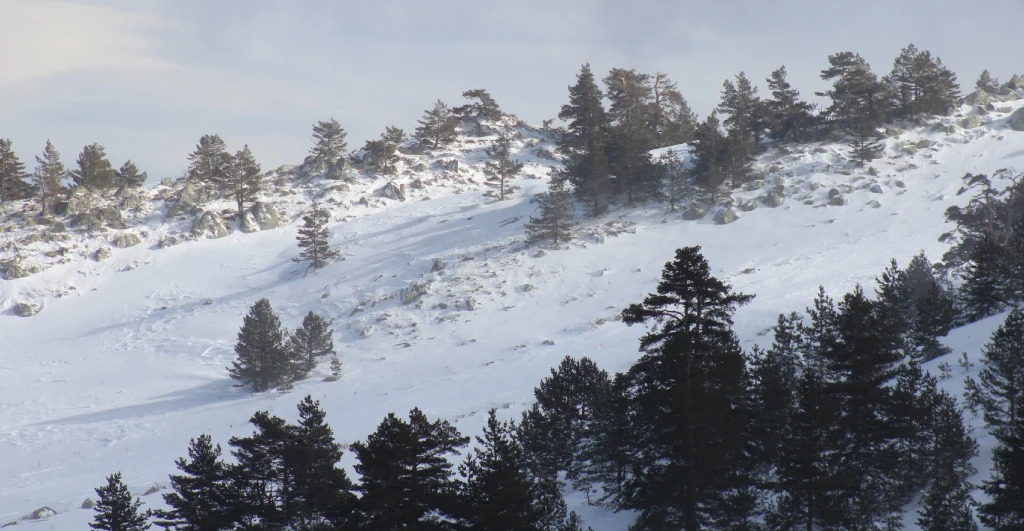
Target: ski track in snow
(120,378)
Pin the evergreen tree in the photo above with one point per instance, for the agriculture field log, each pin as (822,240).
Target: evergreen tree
(606,450)
(688,394)
(328,146)
(947,504)
(128,176)
(789,118)
(1005,510)
(381,156)
(744,112)
(584,141)
(312,340)
(867,141)
(335,367)
(393,134)
(12,173)
(773,396)
(555,223)
(500,168)
(319,493)
(200,501)
(990,212)
(407,481)
(262,360)
(210,162)
(859,100)
(94,170)
(671,119)
(244,178)
(984,282)
(1013,260)
(439,126)
(483,107)
(631,137)
(920,84)
(678,186)
(115,510)
(48,175)
(709,158)
(314,237)
(257,479)
(987,83)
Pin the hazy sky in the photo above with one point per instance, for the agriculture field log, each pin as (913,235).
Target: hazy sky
(146,78)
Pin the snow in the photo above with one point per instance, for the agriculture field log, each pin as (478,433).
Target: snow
(128,363)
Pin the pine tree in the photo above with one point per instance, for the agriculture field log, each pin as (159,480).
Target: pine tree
(867,141)
(439,127)
(115,510)
(94,169)
(859,100)
(484,107)
(920,84)
(394,134)
(691,379)
(744,112)
(947,504)
(984,282)
(48,175)
(12,173)
(407,481)
(314,238)
(584,141)
(328,146)
(319,493)
(709,158)
(1005,510)
(128,176)
(671,119)
(245,178)
(200,501)
(607,449)
(335,367)
(312,340)
(210,162)
(262,359)
(772,395)
(555,223)
(678,186)
(381,156)
(631,137)
(259,479)
(1013,260)
(500,168)
(987,83)
(789,118)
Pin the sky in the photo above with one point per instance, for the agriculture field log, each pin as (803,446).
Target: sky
(147,78)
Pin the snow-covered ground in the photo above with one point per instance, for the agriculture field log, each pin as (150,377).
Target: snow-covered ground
(120,372)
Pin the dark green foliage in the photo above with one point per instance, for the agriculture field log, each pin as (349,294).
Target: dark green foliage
(312,340)
(671,120)
(48,175)
(439,126)
(710,158)
(677,183)
(257,479)
(555,223)
(744,112)
(947,504)
(773,395)
(631,138)
(244,180)
(483,107)
(687,391)
(500,168)
(201,500)
(606,450)
(12,174)
(210,162)
(1005,510)
(992,210)
(987,83)
(314,238)
(381,156)
(115,509)
(393,134)
(788,117)
(1013,263)
(262,360)
(335,367)
(859,100)
(866,144)
(407,481)
(94,169)
(584,140)
(984,289)
(328,146)
(128,176)
(920,84)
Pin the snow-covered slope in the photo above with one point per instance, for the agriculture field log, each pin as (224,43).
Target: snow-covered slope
(120,372)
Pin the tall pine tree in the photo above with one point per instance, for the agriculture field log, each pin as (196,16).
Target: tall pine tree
(115,509)
(312,340)
(48,175)
(200,500)
(262,360)
(12,173)
(584,141)
(244,180)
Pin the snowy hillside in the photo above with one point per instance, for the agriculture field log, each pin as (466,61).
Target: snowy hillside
(437,303)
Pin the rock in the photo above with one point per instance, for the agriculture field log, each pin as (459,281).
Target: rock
(419,167)
(978,97)
(128,199)
(24,309)
(30,239)
(17,270)
(392,190)
(725,216)
(747,206)
(126,240)
(1016,120)
(87,221)
(265,215)
(971,122)
(417,184)
(442,305)
(694,212)
(944,128)
(815,186)
(189,199)
(899,184)
(41,513)
(774,199)
(438,265)
(837,200)
(415,291)
(470,304)
(167,181)
(874,204)
(548,343)
(101,254)
(447,165)
(152,490)
(527,288)
(872,171)
(876,189)
(924,143)
(112,217)
(88,504)
(210,225)
(338,188)
(170,241)
(1015,83)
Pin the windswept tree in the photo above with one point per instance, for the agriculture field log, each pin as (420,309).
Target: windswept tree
(328,146)
(245,178)
(129,176)
(115,508)
(48,175)
(262,360)
(482,106)
(314,238)
(501,169)
(12,173)
(94,169)
(788,117)
(987,83)
(314,339)
(210,162)
(381,156)
(555,223)
(438,127)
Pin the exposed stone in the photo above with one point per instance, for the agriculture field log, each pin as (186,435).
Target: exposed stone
(128,199)
(694,212)
(152,490)
(88,504)
(126,240)
(438,265)
(30,239)
(747,206)
(41,513)
(415,291)
(874,204)
(17,270)
(978,97)
(876,189)
(87,221)
(924,143)
(448,165)
(837,200)
(417,184)
(167,181)
(470,304)
(944,128)
(112,217)
(24,309)
(265,216)
(101,254)
(189,199)
(899,184)
(774,199)
(209,225)
(393,190)
(527,288)
(725,216)
(170,241)
(1016,120)
(1015,83)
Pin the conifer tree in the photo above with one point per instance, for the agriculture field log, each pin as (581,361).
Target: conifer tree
(671,119)
(200,500)
(984,281)
(987,83)
(115,509)
(12,173)
(500,168)
(319,492)
(709,157)
(483,107)
(867,141)
(744,112)
(584,141)
(314,237)
(48,175)
(1014,264)
(381,156)
(947,504)
(407,481)
(335,367)
(773,397)
(312,340)
(128,176)
(859,100)
(439,126)
(555,223)
(210,162)
(920,84)
(94,169)
(678,186)
(262,360)
(631,137)
(394,134)
(258,479)
(328,145)
(789,118)
(607,449)
(244,178)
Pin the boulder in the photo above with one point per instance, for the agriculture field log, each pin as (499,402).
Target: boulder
(837,200)
(126,240)
(209,225)
(438,265)
(876,189)
(1015,83)
(874,204)
(971,122)
(101,254)
(166,181)
(88,504)
(1016,120)
(41,513)
(112,217)
(944,128)
(694,212)
(747,206)
(393,190)
(170,241)
(24,309)
(924,143)
(189,199)
(414,291)
(978,97)
(774,199)
(725,216)
(87,221)
(128,199)
(265,216)
(447,165)
(18,270)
